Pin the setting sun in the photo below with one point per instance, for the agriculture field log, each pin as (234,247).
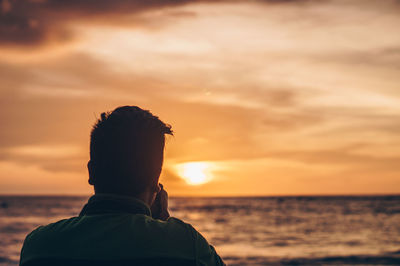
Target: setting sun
(195,173)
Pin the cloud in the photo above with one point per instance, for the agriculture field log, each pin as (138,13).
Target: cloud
(348,157)
(41,107)
(57,159)
(41,118)
(37,22)
(264,85)
(29,23)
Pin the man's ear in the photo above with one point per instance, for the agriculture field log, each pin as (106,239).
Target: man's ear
(90,170)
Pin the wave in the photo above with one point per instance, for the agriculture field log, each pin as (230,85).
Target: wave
(386,259)
(347,260)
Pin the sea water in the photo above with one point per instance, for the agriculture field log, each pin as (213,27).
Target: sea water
(351,230)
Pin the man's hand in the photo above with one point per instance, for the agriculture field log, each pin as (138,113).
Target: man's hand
(159,209)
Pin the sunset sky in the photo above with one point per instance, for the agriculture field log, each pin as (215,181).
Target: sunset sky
(273,97)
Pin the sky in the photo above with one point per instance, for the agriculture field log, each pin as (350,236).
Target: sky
(274,97)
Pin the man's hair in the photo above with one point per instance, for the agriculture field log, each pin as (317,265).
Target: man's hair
(126,150)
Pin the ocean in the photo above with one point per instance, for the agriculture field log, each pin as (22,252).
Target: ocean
(350,230)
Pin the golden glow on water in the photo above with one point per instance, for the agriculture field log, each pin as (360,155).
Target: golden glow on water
(195,173)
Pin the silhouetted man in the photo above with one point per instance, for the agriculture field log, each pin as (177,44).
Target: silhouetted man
(126,221)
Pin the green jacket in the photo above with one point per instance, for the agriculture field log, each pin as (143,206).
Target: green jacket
(120,231)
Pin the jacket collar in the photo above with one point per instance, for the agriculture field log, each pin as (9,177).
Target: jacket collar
(102,203)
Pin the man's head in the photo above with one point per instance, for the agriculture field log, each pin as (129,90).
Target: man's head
(126,151)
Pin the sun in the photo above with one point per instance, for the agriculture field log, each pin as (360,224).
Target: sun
(195,173)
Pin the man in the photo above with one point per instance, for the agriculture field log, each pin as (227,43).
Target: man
(126,221)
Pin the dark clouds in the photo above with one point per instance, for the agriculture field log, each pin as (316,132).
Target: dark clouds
(27,23)
(35,22)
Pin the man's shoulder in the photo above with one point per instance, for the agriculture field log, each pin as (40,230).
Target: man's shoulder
(173,222)
(103,224)
(104,236)
(122,232)
(124,219)
(51,227)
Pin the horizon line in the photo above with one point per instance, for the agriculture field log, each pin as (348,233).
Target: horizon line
(220,196)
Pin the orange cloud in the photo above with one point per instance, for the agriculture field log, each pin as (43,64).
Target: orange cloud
(284,98)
